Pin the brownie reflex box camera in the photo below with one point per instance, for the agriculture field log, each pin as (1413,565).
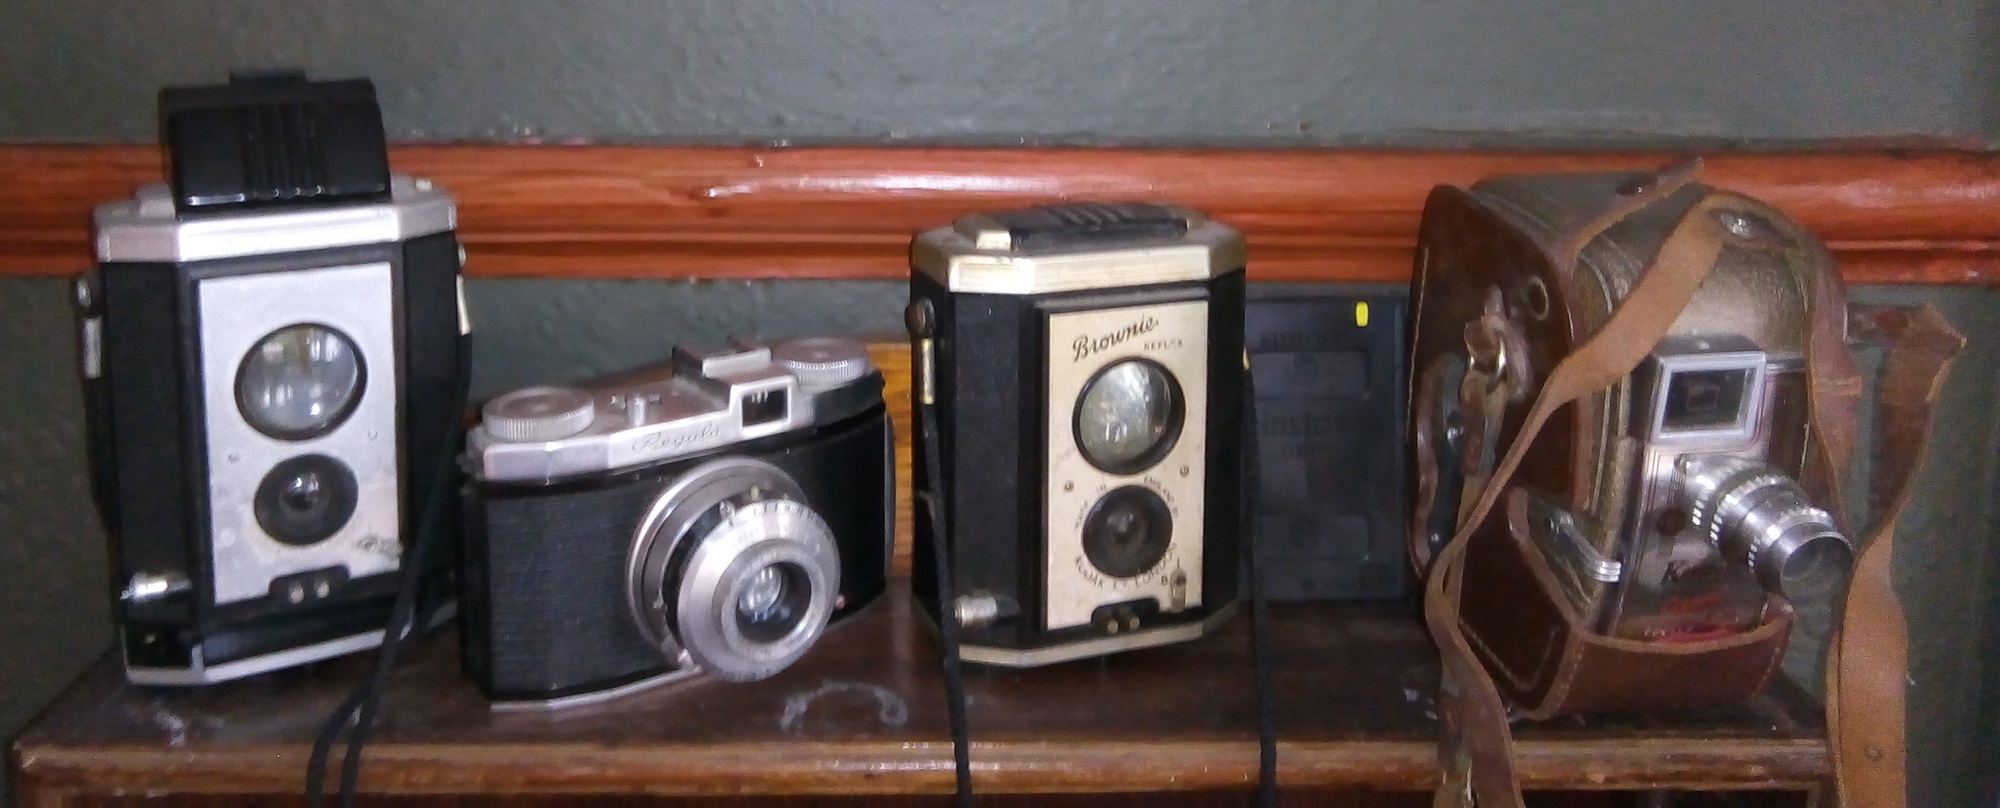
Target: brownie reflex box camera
(1087,365)
(710,513)
(269,344)
(1650,545)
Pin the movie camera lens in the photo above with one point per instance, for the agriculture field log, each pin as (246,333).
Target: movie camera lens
(1763,518)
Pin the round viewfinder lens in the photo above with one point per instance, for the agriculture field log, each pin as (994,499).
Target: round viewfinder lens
(299,382)
(1128,416)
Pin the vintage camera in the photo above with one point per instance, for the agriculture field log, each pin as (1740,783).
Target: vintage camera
(269,344)
(1087,365)
(711,513)
(1715,526)
(1666,507)
(1331,503)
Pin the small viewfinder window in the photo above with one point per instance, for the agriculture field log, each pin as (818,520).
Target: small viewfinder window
(1705,399)
(766,407)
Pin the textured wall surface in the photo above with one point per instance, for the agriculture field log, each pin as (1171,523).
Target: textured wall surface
(55,614)
(1270,71)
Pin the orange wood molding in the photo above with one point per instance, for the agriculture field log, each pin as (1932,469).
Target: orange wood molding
(848,212)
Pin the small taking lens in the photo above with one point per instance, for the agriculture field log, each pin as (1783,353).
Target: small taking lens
(772,603)
(302,492)
(305,499)
(1127,532)
(761,593)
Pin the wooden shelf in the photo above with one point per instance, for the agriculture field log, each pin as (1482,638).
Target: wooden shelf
(864,713)
(1890,216)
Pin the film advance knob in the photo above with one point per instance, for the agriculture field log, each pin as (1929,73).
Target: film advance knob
(538,414)
(823,361)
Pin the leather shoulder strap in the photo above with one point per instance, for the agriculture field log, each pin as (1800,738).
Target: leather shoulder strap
(1868,661)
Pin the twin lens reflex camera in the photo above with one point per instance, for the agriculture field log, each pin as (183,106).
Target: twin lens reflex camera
(1087,364)
(707,514)
(270,345)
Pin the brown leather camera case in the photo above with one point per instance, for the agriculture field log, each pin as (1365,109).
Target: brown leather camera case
(1538,650)
(1552,290)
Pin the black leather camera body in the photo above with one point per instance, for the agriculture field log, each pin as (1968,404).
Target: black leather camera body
(1088,365)
(269,346)
(709,515)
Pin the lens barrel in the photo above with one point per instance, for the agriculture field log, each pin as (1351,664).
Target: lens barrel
(1760,516)
(733,569)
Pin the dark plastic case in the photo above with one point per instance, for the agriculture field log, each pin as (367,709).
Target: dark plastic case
(1328,368)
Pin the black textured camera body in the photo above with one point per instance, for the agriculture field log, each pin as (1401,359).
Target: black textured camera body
(991,386)
(145,409)
(545,612)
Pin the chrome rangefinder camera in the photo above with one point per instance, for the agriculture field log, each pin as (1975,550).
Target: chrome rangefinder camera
(1666,507)
(707,514)
(1086,363)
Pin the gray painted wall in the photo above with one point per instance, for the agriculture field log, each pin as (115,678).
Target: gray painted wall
(1281,72)
(1265,71)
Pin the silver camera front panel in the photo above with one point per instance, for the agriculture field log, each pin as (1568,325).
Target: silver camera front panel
(236,313)
(1174,337)
(1683,577)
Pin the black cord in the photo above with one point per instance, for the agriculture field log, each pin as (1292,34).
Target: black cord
(954,674)
(1260,644)
(329,733)
(359,709)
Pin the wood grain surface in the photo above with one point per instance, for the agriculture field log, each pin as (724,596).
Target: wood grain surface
(893,358)
(864,713)
(767,212)
(1316,798)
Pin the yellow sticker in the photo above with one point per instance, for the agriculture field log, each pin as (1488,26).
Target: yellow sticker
(1361,314)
